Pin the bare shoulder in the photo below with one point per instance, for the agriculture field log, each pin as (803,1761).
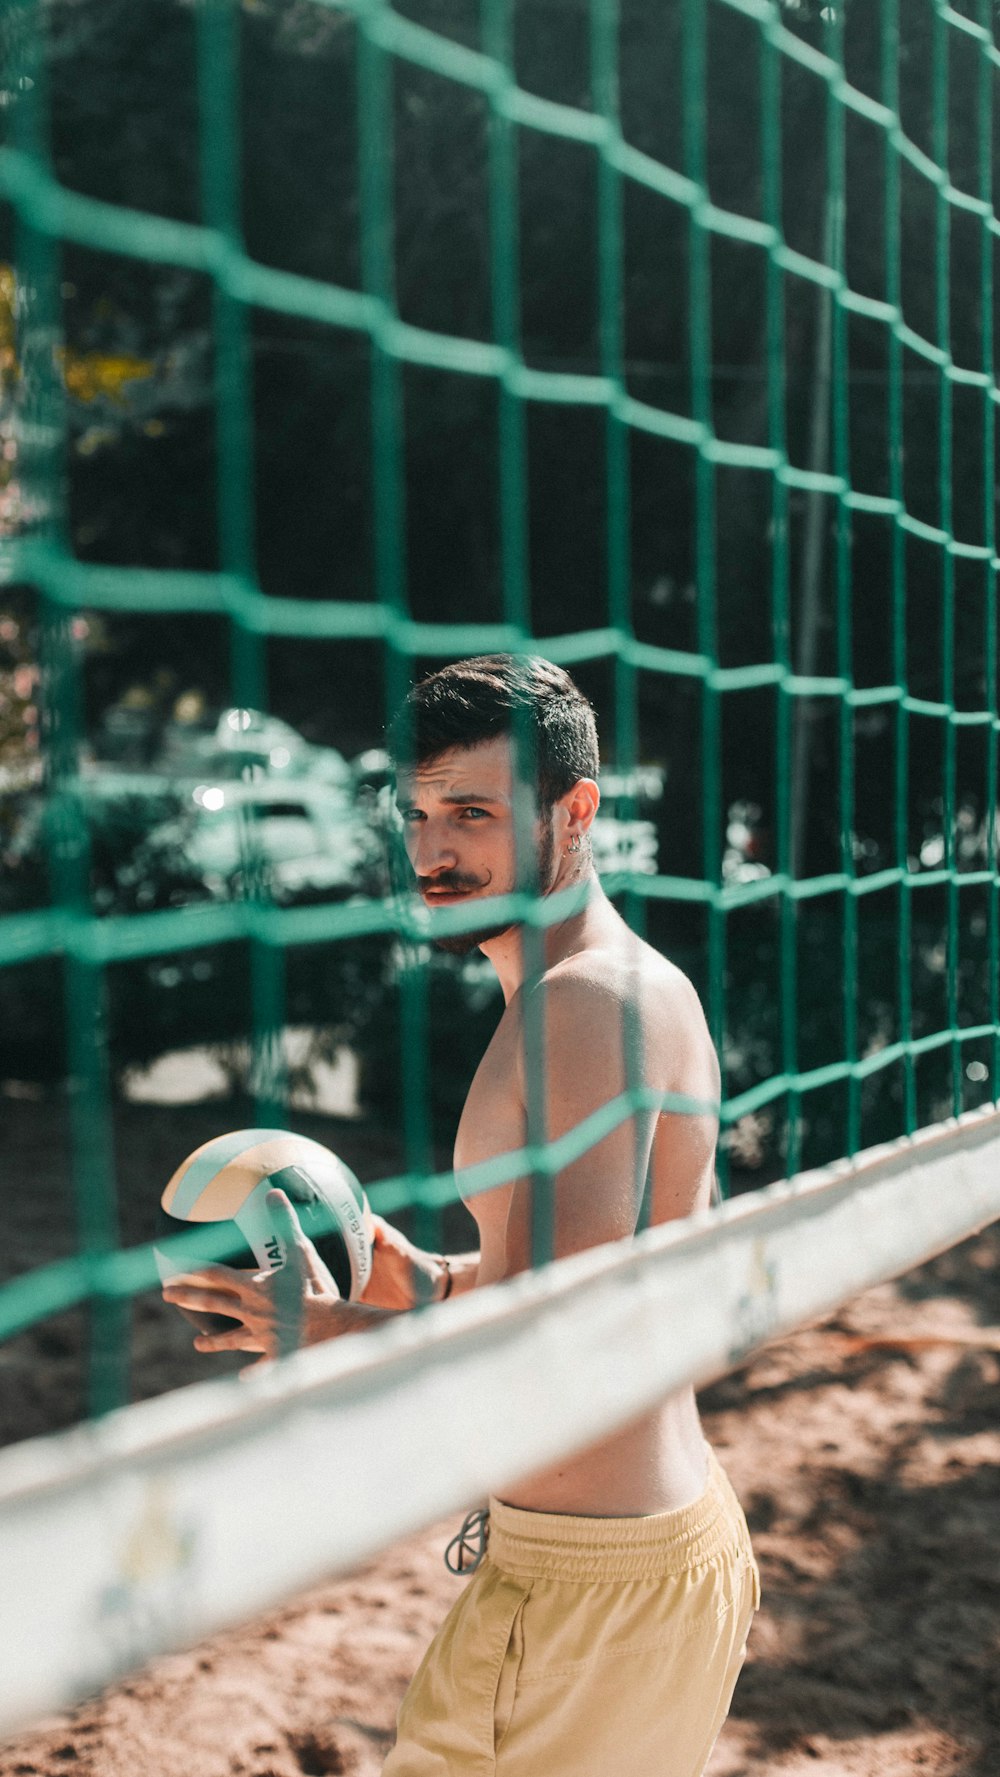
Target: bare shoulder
(630,974)
(605,995)
(674,1016)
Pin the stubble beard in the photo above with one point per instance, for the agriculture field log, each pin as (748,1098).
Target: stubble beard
(463,943)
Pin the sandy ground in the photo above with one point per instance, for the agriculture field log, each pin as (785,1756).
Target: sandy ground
(867,1454)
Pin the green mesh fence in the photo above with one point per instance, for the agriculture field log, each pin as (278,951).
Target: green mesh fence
(807,671)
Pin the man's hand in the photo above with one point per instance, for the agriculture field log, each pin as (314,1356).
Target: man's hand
(402,1274)
(278,1311)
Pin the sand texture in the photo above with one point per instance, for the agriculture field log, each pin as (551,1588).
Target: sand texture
(866,1451)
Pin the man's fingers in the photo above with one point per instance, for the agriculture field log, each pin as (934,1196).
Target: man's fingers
(289,1281)
(240,1339)
(301,1252)
(206,1301)
(221,1277)
(286,1223)
(269,1305)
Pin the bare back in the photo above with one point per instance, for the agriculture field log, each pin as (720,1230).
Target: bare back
(607,996)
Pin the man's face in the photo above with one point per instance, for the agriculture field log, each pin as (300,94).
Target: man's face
(459,822)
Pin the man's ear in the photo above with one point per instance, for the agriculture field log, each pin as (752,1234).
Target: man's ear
(581,804)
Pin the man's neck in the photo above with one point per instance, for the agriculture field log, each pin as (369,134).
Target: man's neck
(513,954)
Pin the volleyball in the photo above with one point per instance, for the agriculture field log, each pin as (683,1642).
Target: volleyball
(226,1181)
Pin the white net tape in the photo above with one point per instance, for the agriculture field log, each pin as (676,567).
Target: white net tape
(169,1520)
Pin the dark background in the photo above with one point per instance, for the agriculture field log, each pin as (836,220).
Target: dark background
(142,482)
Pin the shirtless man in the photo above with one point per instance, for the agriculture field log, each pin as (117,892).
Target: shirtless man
(607,1625)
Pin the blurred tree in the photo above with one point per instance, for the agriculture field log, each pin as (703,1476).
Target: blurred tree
(140,370)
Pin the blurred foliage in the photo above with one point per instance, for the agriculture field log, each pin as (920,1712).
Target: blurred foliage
(19,717)
(138,377)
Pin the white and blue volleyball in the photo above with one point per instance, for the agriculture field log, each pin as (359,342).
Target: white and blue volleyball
(226,1182)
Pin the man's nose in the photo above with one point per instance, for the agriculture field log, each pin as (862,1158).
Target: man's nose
(432,851)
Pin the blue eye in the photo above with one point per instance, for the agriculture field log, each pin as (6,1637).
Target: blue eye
(475,811)
(410,815)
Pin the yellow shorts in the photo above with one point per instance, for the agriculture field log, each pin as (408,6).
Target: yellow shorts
(583,1647)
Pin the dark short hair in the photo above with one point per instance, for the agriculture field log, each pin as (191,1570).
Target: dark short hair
(473,701)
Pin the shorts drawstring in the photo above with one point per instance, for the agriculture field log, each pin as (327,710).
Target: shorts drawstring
(470,1543)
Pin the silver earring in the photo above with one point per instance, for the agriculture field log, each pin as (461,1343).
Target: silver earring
(575,844)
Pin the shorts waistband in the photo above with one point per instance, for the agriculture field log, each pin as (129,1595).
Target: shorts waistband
(550,1545)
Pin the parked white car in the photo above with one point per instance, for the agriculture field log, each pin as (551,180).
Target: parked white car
(243,741)
(290,839)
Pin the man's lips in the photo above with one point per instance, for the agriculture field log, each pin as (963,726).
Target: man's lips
(442,895)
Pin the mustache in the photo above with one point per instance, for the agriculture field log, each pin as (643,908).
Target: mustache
(454,882)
